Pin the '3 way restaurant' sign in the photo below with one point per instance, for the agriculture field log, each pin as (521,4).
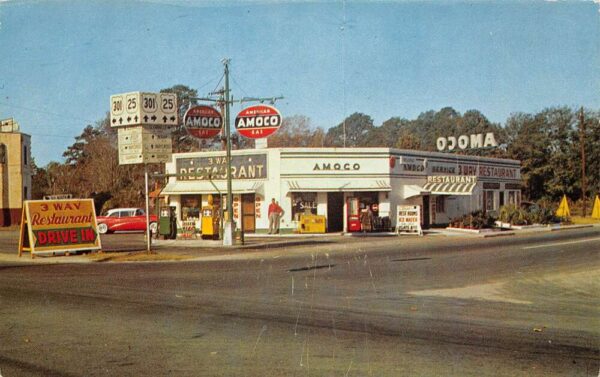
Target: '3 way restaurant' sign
(252,166)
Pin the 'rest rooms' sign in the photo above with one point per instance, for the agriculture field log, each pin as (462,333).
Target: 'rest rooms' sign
(59,226)
(259,121)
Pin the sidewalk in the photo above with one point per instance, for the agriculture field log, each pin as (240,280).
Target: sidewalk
(177,250)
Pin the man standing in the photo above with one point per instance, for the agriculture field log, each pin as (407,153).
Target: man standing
(275,211)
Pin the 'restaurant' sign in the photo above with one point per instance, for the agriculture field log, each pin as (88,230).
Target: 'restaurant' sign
(58,226)
(258,121)
(252,166)
(203,122)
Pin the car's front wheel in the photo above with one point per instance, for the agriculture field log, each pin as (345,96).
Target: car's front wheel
(102,228)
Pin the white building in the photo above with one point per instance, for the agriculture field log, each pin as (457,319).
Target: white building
(338,182)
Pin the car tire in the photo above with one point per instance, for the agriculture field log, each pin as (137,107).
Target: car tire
(102,228)
(153,228)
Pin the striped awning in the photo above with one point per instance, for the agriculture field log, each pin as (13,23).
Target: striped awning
(437,188)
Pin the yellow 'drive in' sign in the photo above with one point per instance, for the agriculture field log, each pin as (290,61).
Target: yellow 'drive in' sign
(59,226)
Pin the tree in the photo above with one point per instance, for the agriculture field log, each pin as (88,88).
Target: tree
(544,144)
(297,131)
(39,181)
(356,127)
(182,141)
(385,135)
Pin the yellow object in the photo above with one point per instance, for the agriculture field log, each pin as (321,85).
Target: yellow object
(596,210)
(563,208)
(210,222)
(312,224)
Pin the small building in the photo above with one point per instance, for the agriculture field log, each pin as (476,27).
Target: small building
(16,172)
(339,183)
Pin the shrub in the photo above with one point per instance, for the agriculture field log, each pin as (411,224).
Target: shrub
(474,220)
(535,214)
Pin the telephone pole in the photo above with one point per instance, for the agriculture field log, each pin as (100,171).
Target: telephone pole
(582,144)
(224,102)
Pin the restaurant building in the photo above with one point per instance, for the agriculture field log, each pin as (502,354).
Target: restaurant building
(340,183)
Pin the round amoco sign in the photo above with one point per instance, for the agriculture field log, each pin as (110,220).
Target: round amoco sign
(203,122)
(258,121)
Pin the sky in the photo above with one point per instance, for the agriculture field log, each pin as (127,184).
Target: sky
(60,61)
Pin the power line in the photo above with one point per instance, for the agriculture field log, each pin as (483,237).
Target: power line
(239,86)
(63,115)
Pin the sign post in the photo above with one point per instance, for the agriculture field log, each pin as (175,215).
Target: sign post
(273,122)
(144,121)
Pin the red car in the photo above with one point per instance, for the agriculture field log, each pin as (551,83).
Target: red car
(125,220)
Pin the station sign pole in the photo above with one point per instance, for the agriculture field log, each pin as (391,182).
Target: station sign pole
(225,102)
(148,230)
(228,231)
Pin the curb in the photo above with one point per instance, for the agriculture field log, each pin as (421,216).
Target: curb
(567,227)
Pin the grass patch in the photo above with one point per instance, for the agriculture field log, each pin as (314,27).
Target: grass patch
(137,256)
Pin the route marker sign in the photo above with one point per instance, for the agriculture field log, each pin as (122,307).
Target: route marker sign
(256,122)
(140,108)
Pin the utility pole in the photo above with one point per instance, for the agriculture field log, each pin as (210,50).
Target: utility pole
(224,102)
(228,231)
(582,143)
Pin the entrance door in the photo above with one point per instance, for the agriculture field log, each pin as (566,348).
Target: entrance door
(335,211)
(248,209)
(426,222)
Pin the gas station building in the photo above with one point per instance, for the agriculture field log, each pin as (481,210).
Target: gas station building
(339,184)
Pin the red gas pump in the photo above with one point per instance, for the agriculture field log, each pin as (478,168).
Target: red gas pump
(353,215)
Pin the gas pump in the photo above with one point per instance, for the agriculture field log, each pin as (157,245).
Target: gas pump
(210,220)
(167,223)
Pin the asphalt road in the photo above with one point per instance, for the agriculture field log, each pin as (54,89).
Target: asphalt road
(514,306)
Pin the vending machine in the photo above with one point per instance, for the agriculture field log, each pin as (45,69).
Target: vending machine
(353,206)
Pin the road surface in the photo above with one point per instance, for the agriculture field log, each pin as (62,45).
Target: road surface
(434,306)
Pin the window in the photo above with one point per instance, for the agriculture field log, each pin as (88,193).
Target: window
(190,207)
(2,154)
(514,198)
(303,203)
(25,155)
(440,204)
(488,200)
(511,198)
